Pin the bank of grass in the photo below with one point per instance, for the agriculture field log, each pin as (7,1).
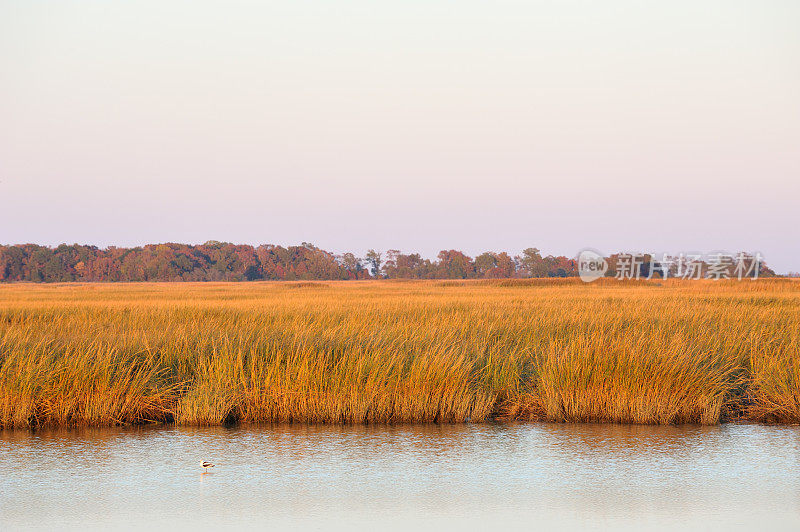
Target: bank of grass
(354,352)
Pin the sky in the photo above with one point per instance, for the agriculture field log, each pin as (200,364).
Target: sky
(418,125)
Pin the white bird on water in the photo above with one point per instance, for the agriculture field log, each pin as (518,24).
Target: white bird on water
(206,465)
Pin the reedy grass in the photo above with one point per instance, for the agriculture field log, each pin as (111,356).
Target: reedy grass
(355,352)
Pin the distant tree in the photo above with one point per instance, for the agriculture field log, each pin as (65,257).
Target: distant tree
(252,273)
(12,263)
(505,267)
(389,267)
(532,264)
(454,264)
(485,264)
(374,259)
(406,266)
(352,265)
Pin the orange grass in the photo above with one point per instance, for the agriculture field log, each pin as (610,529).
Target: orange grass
(422,351)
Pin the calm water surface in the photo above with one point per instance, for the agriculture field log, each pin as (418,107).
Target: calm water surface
(452,477)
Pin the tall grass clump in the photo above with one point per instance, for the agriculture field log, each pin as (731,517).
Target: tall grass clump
(631,380)
(774,392)
(86,383)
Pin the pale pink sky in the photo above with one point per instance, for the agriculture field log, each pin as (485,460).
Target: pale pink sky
(418,125)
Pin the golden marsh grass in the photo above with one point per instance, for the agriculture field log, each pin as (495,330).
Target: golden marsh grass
(378,351)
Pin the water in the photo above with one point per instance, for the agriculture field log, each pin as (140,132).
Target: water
(451,477)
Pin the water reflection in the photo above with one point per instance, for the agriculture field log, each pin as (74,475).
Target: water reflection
(427,476)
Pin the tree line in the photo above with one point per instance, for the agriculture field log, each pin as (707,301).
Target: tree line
(223,261)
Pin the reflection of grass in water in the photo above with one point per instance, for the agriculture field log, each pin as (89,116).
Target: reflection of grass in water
(666,352)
